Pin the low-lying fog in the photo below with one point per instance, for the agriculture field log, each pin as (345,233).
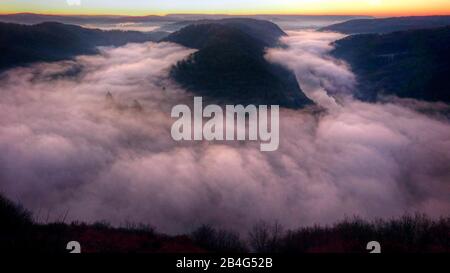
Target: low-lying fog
(176,22)
(66,148)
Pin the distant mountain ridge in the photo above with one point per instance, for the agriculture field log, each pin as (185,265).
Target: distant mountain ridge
(407,64)
(230,66)
(33,18)
(387,25)
(50,41)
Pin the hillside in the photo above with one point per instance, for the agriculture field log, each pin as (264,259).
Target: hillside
(230,66)
(265,31)
(24,44)
(386,25)
(408,64)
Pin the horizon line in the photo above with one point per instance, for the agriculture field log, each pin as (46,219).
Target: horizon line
(223,14)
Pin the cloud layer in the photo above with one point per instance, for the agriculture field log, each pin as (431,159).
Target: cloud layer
(318,74)
(65,147)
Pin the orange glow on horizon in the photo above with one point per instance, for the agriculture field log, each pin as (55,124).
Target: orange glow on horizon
(378,8)
(137,14)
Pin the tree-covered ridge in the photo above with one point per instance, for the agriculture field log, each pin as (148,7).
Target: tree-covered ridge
(50,41)
(230,66)
(387,25)
(408,64)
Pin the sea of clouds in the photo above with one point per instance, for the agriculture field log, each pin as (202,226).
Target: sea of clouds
(66,149)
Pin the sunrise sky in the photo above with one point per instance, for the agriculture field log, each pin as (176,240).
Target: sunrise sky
(160,7)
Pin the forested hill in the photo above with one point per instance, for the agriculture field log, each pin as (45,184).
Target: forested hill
(409,64)
(230,65)
(387,25)
(50,41)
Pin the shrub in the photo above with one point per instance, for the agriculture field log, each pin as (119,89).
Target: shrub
(222,241)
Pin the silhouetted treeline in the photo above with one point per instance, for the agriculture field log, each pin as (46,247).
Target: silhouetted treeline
(418,233)
(415,234)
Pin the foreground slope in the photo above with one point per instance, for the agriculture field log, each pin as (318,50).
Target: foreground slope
(230,66)
(418,234)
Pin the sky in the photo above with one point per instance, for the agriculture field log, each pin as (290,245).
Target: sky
(161,7)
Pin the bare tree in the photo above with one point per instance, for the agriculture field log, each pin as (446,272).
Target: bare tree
(265,237)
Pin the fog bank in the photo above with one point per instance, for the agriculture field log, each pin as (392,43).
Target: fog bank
(66,147)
